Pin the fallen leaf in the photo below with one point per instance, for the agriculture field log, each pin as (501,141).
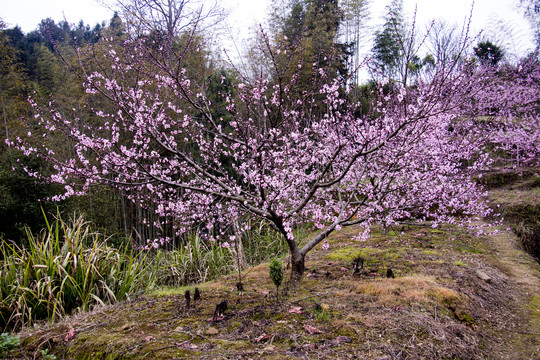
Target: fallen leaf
(296,310)
(148,339)
(216,319)
(189,346)
(343,339)
(70,334)
(212,331)
(262,338)
(312,330)
(343,269)
(127,327)
(310,275)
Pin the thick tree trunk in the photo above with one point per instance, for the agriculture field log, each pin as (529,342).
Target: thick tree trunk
(297,272)
(297,257)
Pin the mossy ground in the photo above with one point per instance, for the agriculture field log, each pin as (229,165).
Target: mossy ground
(515,194)
(454,297)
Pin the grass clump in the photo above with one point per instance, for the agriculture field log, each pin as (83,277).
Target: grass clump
(66,267)
(262,243)
(195,262)
(349,253)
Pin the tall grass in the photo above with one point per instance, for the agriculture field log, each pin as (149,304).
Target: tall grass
(67,267)
(199,261)
(195,262)
(262,243)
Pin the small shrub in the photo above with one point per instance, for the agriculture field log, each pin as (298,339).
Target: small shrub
(276,274)
(8,343)
(321,313)
(46,356)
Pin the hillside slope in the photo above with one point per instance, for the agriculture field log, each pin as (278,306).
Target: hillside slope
(455,295)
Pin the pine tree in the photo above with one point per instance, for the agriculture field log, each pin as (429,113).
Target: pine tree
(388,48)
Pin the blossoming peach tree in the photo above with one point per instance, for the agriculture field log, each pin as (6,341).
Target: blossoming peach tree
(283,158)
(511,104)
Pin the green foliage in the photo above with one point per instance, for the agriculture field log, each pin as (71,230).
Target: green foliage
(195,262)
(276,273)
(262,243)
(20,197)
(488,53)
(321,313)
(46,356)
(67,267)
(8,343)
(388,46)
(309,29)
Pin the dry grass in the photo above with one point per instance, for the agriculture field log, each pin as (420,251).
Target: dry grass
(408,290)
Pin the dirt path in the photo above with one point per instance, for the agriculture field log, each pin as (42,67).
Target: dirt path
(525,271)
(522,266)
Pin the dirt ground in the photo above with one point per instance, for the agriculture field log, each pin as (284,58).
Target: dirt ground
(455,295)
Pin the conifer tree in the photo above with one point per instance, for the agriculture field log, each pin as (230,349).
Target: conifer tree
(388,48)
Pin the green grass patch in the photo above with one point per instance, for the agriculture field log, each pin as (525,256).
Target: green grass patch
(349,253)
(467,248)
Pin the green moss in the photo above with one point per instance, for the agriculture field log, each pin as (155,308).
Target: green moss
(232,345)
(175,290)
(431,252)
(534,307)
(349,253)
(467,248)
(464,317)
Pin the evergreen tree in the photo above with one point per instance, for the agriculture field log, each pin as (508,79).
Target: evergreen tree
(388,48)
(353,29)
(488,53)
(308,31)
(19,193)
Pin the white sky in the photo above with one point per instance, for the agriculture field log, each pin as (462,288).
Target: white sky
(245,13)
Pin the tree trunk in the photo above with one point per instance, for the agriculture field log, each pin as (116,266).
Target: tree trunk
(297,272)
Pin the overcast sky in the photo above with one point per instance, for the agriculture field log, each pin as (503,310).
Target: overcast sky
(494,16)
